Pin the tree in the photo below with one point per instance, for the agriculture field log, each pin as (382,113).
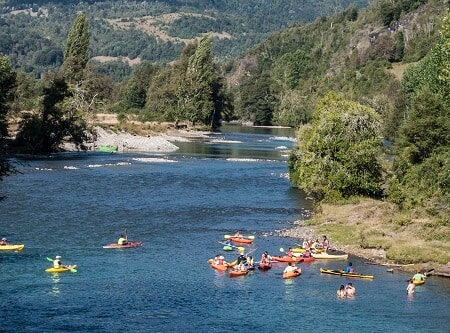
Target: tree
(7,85)
(76,54)
(338,154)
(57,122)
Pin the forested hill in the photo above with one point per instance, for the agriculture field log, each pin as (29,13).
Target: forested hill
(33,33)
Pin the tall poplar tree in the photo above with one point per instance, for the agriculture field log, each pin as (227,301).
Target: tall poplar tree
(76,54)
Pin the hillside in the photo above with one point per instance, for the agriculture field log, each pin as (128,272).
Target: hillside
(33,33)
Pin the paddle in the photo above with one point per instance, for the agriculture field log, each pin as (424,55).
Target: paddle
(229,236)
(73,270)
(239,248)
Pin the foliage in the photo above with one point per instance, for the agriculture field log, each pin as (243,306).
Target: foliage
(57,122)
(76,54)
(338,154)
(423,146)
(7,86)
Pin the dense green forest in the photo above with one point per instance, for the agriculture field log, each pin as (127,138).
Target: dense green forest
(32,34)
(345,80)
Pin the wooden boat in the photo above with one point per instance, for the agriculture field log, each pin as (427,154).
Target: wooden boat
(292,274)
(325,255)
(12,247)
(123,246)
(342,273)
(286,259)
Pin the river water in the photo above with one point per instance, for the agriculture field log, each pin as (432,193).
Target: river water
(181,205)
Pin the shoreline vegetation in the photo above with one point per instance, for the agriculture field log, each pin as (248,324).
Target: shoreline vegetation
(367,228)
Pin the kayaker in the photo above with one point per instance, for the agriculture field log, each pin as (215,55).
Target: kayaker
(341,292)
(265,258)
(307,254)
(419,276)
(290,268)
(325,242)
(411,287)
(229,242)
(122,240)
(241,259)
(350,290)
(57,262)
(349,268)
(290,253)
(3,241)
(249,263)
(238,234)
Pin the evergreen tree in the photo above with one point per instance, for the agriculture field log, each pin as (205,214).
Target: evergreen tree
(338,154)
(76,54)
(7,85)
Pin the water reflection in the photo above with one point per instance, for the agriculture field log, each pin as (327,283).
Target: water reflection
(55,284)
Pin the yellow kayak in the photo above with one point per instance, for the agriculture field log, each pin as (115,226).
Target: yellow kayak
(61,269)
(418,282)
(12,247)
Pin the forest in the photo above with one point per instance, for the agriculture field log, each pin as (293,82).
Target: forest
(367,88)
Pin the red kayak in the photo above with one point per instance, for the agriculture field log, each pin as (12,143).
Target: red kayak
(234,273)
(242,240)
(293,274)
(286,259)
(122,246)
(308,259)
(265,265)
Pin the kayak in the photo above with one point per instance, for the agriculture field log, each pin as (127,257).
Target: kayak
(418,282)
(61,269)
(228,248)
(325,255)
(264,266)
(308,259)
(241,240)
(219,267)
(124,246)
(107,149)
(286,259)
(12,247)
(342,273)
(292,274)
(234,273)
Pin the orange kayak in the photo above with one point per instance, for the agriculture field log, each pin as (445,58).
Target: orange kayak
(234,273)
(293,274)
(241,240)
(222,267)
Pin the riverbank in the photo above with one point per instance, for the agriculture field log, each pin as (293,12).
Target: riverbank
(377,232)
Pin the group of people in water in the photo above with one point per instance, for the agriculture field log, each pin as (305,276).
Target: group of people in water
(346,291)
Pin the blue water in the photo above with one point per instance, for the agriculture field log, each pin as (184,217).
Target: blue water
(181,205)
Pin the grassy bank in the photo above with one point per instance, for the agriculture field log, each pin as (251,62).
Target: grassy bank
(378,231)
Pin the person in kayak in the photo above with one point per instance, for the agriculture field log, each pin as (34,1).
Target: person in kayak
(411,287)
(57,262)
(122,240)
(3,241)
(290,253)
(350,290)
(265,258)
(307,254)
(238,234)
(419,276)
(290,268)
(241,259)
(349,268)
(229,242)
(325,243)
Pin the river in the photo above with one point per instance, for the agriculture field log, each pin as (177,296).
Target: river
(181,205)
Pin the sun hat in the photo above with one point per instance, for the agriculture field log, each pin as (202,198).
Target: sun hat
(58,257)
